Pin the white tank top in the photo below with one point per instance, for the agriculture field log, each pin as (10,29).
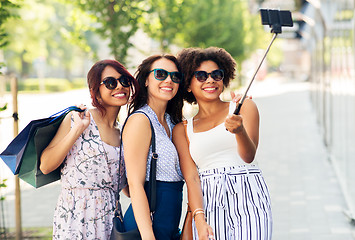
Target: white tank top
(214,148)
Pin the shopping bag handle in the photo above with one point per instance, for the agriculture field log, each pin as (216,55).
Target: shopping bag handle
(65,111)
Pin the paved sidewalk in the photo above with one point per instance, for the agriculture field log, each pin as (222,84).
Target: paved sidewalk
(306,198)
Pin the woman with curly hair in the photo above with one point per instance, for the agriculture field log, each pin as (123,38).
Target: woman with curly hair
(223,146)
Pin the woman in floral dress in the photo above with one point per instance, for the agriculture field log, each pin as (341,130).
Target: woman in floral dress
(86,147)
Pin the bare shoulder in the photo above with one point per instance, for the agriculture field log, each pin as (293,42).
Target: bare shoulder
(178,131)
(178,127)
(249,110)
(249,105)
(137,122)
(249,102)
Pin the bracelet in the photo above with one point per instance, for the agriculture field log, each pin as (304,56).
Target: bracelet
(200,212)
(197,209)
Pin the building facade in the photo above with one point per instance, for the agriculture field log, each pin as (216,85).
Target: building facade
(329,37)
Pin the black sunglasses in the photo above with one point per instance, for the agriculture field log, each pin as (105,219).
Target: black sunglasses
(111,82)
(161,75)
(202,76)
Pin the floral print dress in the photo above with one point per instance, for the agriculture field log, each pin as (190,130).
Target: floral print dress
(90,180)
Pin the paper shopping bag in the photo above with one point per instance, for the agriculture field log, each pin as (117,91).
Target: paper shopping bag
(24,152)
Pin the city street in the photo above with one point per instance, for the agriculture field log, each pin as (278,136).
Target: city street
(307,201)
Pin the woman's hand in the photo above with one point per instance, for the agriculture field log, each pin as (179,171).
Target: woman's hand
(234,123)
(246,129)
(54,154)
(236,97)
(204,230)
(81,119)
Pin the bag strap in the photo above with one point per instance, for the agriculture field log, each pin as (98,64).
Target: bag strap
(65,112)
(153,168)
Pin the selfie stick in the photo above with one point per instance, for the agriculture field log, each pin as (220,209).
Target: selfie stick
(237,109)
(275,19)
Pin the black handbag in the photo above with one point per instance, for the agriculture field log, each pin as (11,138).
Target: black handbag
(118,231)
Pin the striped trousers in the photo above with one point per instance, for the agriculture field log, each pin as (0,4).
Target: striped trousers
(237,203)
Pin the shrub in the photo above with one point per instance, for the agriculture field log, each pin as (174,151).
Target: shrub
(79,83)
(50,84)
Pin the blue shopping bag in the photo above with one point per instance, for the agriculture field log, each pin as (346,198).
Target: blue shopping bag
(23,153)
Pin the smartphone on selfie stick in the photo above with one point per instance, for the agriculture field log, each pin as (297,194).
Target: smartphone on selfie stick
(276,19)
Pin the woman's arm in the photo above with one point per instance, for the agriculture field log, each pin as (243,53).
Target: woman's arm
(192,180)
(246,129)
(54,154)
(136,138)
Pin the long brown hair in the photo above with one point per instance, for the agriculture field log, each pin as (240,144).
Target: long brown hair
(174,108)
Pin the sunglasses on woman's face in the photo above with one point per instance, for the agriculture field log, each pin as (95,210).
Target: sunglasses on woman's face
(111,82)
(216,75)
(161,75)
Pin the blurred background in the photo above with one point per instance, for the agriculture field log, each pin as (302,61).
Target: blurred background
(48,46)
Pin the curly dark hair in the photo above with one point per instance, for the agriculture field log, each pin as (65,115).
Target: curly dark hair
(94,80)
(191,58)
(174,108)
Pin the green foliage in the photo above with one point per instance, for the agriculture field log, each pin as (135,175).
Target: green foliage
(2,185)
(163,21)
(77,83)
(78,30)
(51,84)
(63,31)
(3,108)
(114,20)
(222,23)
(275,57)
(6,12)
(204,23)
(2,65)
(46,32)
(33,28)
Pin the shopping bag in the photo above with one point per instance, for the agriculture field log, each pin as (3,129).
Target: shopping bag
(23,154)
(13,153)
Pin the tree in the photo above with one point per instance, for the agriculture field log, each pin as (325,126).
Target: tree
(47,32)
(222,23)
(6,8)
(116,21)
(163,21)
(34,28)
(203,23)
